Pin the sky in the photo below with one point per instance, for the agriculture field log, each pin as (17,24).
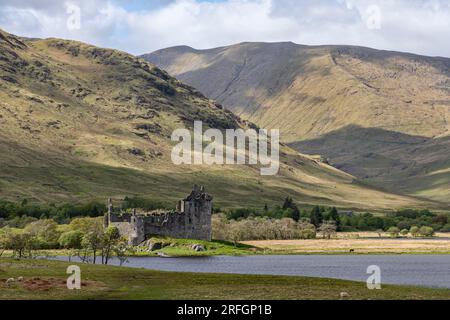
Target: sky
(143,26)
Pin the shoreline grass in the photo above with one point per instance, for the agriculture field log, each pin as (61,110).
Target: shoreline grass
(45,279)
(340,246)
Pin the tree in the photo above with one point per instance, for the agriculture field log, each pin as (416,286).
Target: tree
(93,241)
(328,229)
(414,231)
(86,225)
(4,239)
(110,238)
(71,239)
(237,232)
(394,232)
(404,232)
(45,232)
(21,244)
(292,207)
(316,217)
(288,202)
(426,232)
(120,251)
(334,215)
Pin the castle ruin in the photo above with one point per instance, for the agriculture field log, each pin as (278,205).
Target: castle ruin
(190,220)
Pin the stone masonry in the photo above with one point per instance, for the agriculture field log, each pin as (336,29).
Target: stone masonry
(190,220)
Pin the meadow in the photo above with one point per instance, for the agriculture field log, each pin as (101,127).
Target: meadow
(43,279)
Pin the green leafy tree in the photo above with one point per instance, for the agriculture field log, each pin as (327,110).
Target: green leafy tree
(22,244)
(394,232)
(426,232)
(45,233)
(404,232)
(71,239)
(111,237)
(334,216)
(316,217)
(93,240)
(414,231)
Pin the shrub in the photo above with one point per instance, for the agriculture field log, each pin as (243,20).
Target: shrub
(307,234)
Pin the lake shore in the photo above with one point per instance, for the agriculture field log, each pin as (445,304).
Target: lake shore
(44,279)
(355,246)
(352,243)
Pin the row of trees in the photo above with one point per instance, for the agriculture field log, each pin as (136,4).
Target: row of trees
(317,215)
(84,237)
(18,215)
(264,228)
(402,219)
(415,231)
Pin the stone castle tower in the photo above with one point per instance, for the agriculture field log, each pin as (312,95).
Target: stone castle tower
(190,220)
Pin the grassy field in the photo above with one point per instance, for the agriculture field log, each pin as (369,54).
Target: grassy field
(349,243)
(173,248)
(47,280)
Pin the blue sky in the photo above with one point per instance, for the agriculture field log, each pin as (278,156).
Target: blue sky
(141,26)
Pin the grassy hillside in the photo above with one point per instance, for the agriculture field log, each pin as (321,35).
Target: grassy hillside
(80,122)
(399,102)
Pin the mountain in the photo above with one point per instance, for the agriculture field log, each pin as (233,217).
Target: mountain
(379,115)
(79,122)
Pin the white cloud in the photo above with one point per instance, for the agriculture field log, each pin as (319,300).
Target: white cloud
(418,26)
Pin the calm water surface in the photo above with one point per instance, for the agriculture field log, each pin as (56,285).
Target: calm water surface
(421,270)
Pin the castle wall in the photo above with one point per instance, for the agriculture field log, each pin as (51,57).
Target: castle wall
(198,219)
(169,224)
(191,221)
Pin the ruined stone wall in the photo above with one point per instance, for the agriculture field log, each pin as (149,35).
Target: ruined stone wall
(192,220)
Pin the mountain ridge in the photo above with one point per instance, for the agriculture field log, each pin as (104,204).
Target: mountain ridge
(318,91)
(79,122)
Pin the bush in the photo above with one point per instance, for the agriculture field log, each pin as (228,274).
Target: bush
(71,239)
(446,228)
(404,232)
(307,234)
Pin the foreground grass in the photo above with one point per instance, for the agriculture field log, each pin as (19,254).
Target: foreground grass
(45,279)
